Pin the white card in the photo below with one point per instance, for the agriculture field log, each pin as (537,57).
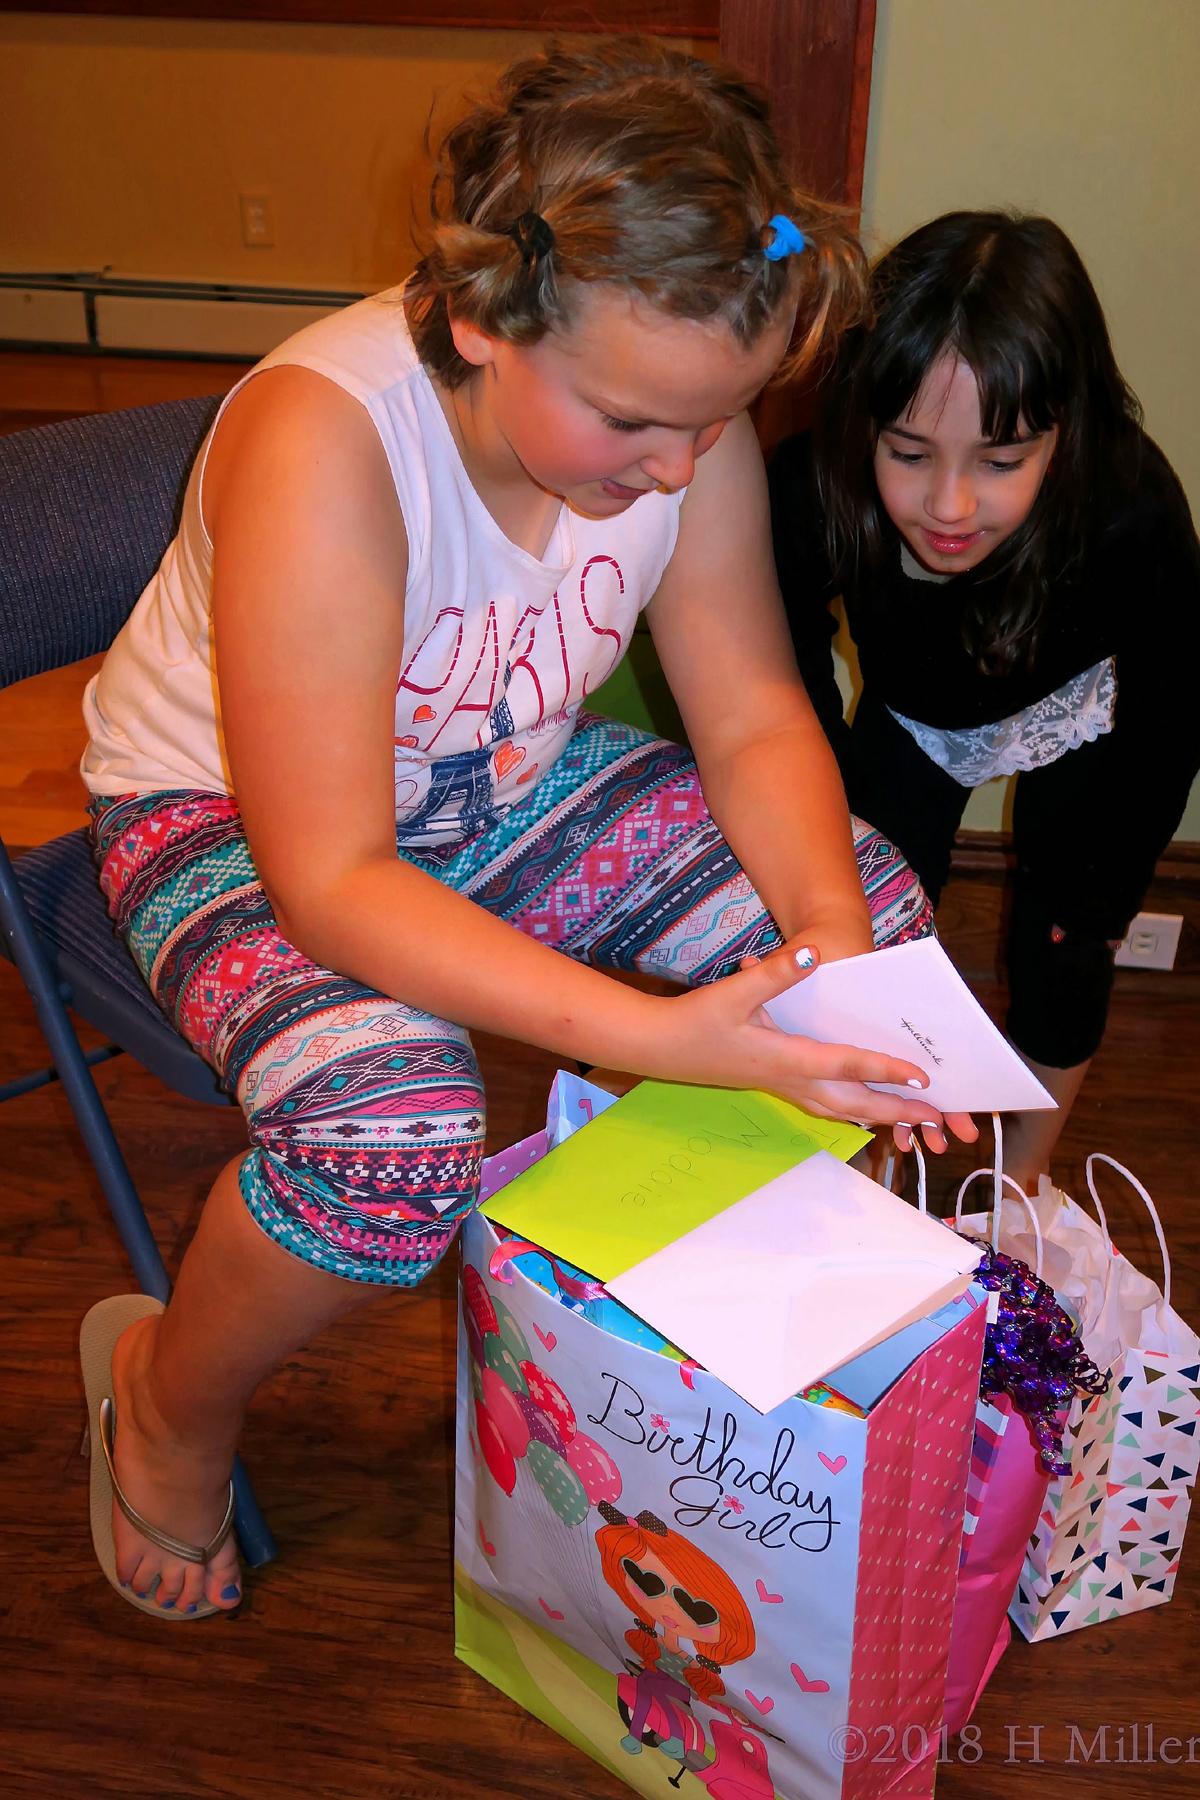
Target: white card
(911,1001)
(810,1270)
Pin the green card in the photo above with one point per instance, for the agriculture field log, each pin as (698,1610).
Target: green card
(660,1162)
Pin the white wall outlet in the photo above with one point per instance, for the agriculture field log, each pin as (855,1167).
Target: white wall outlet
(1151,942)
(258,228)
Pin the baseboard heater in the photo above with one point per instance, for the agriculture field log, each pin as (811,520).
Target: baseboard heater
(113,315)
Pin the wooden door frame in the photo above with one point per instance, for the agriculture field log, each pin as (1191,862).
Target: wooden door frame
(814,59)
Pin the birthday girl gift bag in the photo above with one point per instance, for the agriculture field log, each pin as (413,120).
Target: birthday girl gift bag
(699,1595)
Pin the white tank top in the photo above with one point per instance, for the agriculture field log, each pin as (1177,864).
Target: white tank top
(500,649)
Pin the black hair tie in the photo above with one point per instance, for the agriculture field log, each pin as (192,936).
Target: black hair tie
(532,236)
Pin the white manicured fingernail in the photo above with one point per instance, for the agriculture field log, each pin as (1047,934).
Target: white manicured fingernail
(805,959)
(913,1082)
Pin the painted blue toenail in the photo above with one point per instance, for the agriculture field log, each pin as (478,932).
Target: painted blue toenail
(190,1608)
(166,1605)
(231,1593)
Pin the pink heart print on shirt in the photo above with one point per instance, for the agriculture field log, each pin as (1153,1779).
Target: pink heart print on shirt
(423,715)
(835,1464)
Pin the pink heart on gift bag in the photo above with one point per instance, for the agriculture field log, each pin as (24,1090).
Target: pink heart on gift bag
(835,1466)
(488,1549)
(763,1706)
(548,1338)
(548,1610)
(771,1599)
(687,1370)
(805,1685)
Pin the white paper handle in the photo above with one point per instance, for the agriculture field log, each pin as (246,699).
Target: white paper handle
(1006,1181)
(999,1181)
(1099,1156)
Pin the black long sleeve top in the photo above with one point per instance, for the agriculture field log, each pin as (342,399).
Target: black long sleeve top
(1136,598)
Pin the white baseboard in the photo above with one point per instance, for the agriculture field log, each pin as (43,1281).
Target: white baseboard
(135,315)
(42,316)
(198,327)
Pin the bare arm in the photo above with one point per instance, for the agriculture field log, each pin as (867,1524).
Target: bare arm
(310,558)
(768,774)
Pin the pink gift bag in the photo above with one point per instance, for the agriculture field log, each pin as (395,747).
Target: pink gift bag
(1006,1493)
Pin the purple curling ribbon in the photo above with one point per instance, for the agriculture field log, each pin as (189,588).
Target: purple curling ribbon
(1032,1353)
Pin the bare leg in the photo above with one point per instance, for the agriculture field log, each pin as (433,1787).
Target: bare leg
(1030,1137)
(182,1383)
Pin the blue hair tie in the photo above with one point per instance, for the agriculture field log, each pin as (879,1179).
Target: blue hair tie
(788,238)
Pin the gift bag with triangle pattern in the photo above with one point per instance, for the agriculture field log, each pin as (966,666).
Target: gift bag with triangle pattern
(1109,1538)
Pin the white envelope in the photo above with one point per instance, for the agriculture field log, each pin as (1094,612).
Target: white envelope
(797,1278)
(912,1002)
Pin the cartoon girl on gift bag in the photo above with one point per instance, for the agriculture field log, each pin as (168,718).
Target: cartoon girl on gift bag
(677,1595)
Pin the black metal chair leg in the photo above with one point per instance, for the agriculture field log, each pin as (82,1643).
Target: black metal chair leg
(254,1536)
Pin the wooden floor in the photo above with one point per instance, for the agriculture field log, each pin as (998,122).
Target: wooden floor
(337,1678)
(37,387)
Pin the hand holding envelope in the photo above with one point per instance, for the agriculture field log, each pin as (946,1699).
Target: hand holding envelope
(911,1002)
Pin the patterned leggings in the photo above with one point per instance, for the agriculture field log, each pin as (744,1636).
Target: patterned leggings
(366,1116)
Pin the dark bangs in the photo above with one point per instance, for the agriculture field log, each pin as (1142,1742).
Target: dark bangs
(1011,297)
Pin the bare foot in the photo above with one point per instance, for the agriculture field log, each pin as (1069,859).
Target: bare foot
(176,1487)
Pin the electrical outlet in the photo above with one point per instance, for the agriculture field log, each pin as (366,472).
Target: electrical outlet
(258,230)
(1151,942)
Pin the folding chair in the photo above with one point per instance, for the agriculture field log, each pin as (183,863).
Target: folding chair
(86,510)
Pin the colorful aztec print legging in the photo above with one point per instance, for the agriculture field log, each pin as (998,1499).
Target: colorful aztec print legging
(366,1116)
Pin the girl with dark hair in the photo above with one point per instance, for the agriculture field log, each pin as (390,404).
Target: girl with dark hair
(348,802)
(1022,580)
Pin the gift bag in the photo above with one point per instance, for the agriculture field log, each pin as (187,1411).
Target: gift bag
(1006,1493)
(698,1595)
(1108,1540)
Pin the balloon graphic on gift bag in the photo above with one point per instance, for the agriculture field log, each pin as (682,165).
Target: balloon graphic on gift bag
(478,1300)
(560,1484)
(542,1429)
(474,1335)
(500,1359)
(595,1468)
(504,1407)
(496,1453)
(549,1396)
(511,1335)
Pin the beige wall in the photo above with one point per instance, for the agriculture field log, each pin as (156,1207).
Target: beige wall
(128,141)
(1083,109)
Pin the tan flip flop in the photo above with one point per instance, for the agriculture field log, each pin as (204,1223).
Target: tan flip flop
(97,1337)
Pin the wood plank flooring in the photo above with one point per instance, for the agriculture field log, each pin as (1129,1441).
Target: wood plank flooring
(37,386)
(337,1679)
